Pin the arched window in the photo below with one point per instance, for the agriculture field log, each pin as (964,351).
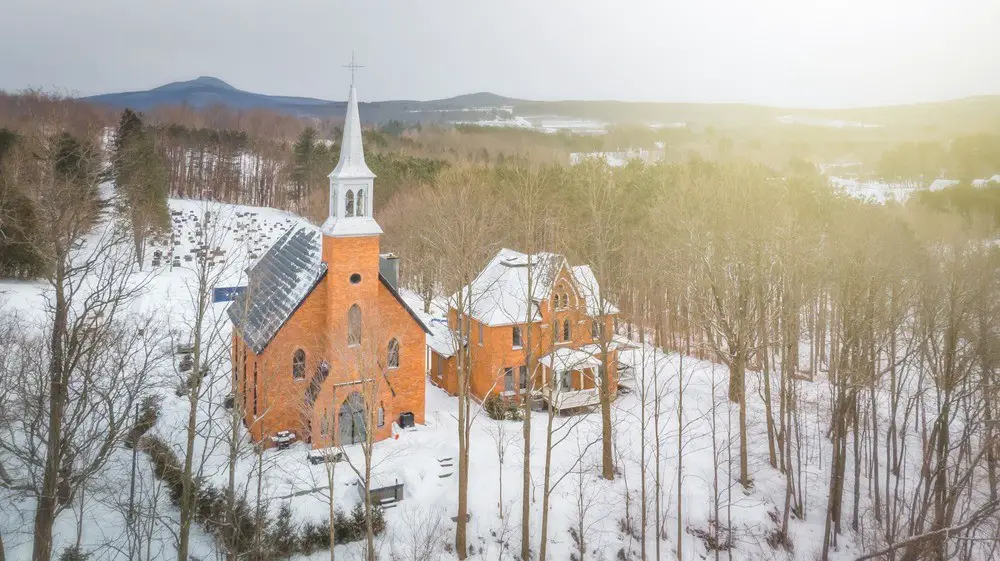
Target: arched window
(349,203)
(299,364)
(595,329)
(566,332)
(354,326)
(393,359)
(381,415)
(360,209)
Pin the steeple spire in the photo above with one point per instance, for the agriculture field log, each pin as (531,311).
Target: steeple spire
(351,182)
(352,154)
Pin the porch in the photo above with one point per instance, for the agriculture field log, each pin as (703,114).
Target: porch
(570,379)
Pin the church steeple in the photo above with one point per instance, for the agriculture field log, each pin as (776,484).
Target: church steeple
(351,182)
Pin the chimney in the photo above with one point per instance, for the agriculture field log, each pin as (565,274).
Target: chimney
(388,267)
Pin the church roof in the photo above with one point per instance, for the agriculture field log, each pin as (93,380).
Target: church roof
(280,281)
(352,163)
(277,284)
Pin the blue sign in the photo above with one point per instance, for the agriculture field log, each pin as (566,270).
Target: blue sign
(226,293)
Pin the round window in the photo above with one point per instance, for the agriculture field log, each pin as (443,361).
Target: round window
(355,278)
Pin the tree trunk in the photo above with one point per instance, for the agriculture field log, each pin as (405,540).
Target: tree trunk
(680,458)
(187,506)
(545,486)
(45,510)
(607,459)
(737,390)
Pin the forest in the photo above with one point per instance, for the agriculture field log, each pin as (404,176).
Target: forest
(733,249)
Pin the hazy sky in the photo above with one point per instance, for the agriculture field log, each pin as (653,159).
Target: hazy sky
(829,53)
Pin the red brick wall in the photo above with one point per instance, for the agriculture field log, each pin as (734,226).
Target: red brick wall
(319,326)
(497,351)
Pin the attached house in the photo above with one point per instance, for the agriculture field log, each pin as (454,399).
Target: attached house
(562,321)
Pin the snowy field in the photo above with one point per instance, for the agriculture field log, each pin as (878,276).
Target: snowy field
(420,457)
(827,123)
(549,124)
(881,192)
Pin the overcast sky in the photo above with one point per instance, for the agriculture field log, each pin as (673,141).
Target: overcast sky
(806,53)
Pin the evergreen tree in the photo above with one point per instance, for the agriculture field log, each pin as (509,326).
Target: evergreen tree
(304,153)
(19,257)
(140,175)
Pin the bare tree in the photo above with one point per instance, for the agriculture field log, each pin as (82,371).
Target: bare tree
(502,435)
(466,238)
(78,383)
(604,207)
(421,534)
(203,348)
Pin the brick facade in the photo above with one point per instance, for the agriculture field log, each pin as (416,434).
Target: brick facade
(494,351)
(319,328)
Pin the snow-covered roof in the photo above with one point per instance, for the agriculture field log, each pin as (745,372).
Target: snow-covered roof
(566,358)
(277,284)
(591,291)
(615,344)
(986,182)
(352,163)
(499,294)
(440,338)
(939,184)
(346,227)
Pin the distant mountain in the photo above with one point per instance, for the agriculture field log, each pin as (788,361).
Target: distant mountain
(206,91)
(970,114)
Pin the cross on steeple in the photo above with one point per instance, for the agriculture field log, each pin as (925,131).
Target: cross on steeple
(353,66)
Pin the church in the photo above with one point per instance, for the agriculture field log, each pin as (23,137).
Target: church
(323,345)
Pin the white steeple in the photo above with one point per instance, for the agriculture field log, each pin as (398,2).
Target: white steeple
(351,182)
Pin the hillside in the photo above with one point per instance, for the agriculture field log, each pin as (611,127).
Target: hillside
(206,91)
(970,114)
(415,455)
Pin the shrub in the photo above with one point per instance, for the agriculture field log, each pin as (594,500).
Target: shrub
(314,537)
(166,465)
(351,528)
(283,537)
(501,408)
(283,534)
(149,413)
(73,553)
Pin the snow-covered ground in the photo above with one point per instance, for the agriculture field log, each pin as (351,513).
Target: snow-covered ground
(821,122)
(618,159)
(419,457)
(547,124)
(845,178)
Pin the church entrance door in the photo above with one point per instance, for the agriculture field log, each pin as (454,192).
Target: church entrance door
(351,420)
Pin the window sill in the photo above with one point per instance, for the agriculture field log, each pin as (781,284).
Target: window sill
(517,347)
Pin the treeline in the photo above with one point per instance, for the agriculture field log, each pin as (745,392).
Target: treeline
(966,158)
(888,315)
(49,159)
(33,169)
